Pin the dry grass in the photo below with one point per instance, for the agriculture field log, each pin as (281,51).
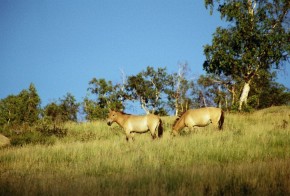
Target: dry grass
(4,141)
(251,156)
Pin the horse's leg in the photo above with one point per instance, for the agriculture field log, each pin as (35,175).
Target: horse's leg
(152,130)
(218,120)
(132,136)
(129,136)
(153,134)
(221,120)
(215,123)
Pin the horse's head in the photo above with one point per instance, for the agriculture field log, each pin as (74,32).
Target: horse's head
(112,117)
(174,133)
(177,125)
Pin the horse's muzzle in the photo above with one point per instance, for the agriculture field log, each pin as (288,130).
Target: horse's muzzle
(174,133)
(109,123)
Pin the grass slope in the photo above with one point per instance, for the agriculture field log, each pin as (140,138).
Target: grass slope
(250,156)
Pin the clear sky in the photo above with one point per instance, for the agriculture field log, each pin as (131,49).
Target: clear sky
(60,45)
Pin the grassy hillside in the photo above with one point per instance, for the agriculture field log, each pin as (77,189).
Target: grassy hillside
(250,156)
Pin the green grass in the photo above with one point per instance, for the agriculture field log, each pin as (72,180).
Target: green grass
(251,156)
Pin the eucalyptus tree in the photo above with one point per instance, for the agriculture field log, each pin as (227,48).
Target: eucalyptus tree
(180,90)
(65,109)
(217,90)
(107,96)
(267,93)
(69,107)
(148,87)
(53,111)
(21,108)
(256,40)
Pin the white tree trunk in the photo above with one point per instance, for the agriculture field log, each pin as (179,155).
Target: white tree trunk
(145,109)
(244,95)
(176,107)
(143,105)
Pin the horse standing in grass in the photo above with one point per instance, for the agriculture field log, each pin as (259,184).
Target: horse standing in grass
(136,124)
(199,118)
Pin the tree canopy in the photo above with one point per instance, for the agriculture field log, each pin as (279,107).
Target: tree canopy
(256,41)
(21,108)
(66,109)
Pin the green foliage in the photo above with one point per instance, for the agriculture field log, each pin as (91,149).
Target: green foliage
(161,93)
(215,90)
(44,132)
(65,110)
(50,128)
(93,110)
(32,100)
(223,91)
(139,88)
(9,110)
(69,108)
(148,87)
(31,137)
(21,108)
(108,96)
(181,91)
(53,111)
(255,42)
(269,94)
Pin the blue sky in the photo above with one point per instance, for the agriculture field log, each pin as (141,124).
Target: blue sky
(60,45)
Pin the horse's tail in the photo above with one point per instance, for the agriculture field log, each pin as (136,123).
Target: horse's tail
(160,128)
(221,120)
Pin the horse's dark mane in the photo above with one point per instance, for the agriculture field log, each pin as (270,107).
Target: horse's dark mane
(177,119)
(123,112)
(120,112)
(174,123)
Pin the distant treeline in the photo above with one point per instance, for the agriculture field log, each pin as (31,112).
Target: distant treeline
(156,91)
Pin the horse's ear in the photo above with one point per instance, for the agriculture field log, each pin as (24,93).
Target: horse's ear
(110,110)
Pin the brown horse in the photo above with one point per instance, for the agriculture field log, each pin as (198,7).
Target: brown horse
(136,124)
(199,118)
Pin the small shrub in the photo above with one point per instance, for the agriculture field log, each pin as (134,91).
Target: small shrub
(32,137)
(44,132)
(49,128)
(5,130)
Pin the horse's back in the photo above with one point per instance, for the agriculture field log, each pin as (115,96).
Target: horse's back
(215,113)
(142,123)
(152,117)
(206,110)
(145,118)
(197,117)
(203,116)
(137,123)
